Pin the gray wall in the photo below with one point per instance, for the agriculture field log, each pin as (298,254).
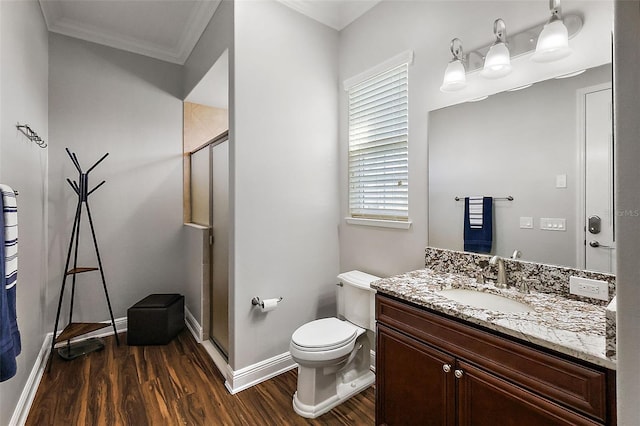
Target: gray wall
(106,100)
(627,134)
(513,143)
(284,171)
(23,98)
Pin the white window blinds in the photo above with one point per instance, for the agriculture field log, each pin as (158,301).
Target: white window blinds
(378,146)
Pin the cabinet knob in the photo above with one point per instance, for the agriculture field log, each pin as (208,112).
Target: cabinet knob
(458,373)
(446,368)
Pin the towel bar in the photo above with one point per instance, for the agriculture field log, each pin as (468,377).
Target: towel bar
(507,198)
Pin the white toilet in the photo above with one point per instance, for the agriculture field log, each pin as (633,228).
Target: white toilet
(333,355)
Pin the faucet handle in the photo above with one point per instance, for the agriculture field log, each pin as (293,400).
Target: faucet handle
(480,278)
(526,283)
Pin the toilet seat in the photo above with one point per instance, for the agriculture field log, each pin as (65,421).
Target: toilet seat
(324,334)
(324,340)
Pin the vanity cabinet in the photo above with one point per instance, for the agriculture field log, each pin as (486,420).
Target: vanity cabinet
(436,370)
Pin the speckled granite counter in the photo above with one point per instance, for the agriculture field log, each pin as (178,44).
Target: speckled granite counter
(568,326)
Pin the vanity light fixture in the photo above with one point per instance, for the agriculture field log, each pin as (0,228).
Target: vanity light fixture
(455,75)
(547,41)
(497,63)
(553,42)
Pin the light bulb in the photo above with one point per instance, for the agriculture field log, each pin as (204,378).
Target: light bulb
(553,43)
(454,77)
(497,62)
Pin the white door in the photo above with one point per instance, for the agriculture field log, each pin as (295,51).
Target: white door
(219,329)
(599,208)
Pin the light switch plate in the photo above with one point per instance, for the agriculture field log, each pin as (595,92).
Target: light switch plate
(589,288)
(561,181)
(553,224)
(526,222)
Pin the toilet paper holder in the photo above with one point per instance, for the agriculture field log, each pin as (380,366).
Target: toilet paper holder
(257,302)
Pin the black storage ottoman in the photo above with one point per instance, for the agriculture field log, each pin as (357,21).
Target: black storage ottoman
(155,320)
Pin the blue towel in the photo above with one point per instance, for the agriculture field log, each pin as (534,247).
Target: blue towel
(479,239)
(10,345)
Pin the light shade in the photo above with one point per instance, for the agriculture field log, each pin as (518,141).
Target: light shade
(497,62)
(454,77)
(553,43)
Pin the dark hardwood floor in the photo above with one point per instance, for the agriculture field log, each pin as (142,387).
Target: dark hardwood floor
(176,384)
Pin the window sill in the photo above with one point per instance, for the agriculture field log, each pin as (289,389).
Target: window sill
(394,224)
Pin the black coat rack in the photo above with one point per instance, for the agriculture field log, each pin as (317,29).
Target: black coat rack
(81,188)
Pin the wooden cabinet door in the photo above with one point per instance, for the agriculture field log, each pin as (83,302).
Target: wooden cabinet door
(412,387)
(485,399)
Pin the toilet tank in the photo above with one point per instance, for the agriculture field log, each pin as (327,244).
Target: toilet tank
(356,299)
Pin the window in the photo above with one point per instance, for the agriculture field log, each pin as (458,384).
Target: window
(378,144)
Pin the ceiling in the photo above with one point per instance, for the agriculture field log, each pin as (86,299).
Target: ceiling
(168,29)
(335,13)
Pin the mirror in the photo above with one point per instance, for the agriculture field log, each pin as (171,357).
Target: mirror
(526,144)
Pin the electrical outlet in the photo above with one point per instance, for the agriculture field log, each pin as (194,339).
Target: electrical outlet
(589,288)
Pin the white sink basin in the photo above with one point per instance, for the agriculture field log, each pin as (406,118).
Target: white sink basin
(479,299)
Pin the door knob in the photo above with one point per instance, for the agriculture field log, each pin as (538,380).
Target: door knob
(595,243)
(458,373)
(446,368)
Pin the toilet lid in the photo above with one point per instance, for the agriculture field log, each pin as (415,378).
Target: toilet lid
(324,333)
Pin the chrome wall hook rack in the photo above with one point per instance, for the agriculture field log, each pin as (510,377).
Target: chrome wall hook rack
(31,135)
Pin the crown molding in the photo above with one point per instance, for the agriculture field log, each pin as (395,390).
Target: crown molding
(199,17)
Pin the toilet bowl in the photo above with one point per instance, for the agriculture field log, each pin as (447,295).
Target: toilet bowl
(333,355)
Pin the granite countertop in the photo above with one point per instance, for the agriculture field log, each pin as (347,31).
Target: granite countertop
(565,325)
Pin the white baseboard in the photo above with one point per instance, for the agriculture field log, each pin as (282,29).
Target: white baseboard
(236,381)
(192,324)
(244,378)
(21,412)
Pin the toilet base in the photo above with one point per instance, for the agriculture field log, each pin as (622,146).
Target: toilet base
(344,391)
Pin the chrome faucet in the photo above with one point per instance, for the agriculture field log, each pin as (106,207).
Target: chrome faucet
(501,282)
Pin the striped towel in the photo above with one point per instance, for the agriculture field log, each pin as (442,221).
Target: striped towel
(10,210)
(10,344)
(478,235)
(475,212)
